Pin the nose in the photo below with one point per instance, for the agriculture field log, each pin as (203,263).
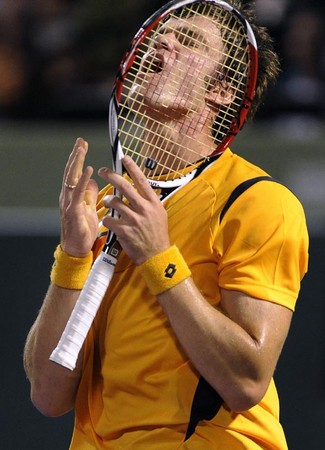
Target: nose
(166,41)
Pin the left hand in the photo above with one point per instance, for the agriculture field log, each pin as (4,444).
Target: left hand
(79,221)
(142,225)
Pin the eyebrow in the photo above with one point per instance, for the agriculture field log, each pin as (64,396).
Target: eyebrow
(186,31)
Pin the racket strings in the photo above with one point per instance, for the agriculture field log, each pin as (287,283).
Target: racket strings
(154,146)
(167,155)
(154,139)
(236,49)
(234,37)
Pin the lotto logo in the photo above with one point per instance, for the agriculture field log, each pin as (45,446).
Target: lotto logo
(170,271)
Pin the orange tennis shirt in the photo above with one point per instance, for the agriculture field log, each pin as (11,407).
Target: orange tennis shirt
(138,385)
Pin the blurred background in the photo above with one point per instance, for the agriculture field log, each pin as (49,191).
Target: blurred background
(57,63)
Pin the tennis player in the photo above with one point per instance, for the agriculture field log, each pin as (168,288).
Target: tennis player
(182,352)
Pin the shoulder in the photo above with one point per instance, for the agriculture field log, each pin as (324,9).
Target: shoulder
(270,197)
(228,171)
(259,210)
(266,213)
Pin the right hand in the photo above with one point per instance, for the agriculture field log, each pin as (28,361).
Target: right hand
(79,222)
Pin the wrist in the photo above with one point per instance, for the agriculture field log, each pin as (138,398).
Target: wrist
(70,272)
(164,270)
(72,252)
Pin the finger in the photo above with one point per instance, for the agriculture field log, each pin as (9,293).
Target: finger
(79,143)
(122,185)
(134,196)
(75,163)
(139,179)
(91,194)
(113,224)
(115,203)
(85,186)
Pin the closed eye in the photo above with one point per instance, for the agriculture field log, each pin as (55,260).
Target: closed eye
(186,36)
(190,38)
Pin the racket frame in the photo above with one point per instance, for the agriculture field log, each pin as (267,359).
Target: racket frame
(67,351)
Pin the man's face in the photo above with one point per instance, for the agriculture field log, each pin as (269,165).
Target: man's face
(176,69)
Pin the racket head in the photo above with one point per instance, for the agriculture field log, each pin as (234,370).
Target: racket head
(219,70)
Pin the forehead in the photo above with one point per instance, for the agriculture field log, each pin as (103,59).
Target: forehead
(206,26)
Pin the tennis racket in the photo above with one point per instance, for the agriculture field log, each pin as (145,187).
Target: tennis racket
(181,94)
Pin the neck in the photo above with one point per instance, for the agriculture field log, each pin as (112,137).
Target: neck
(184,139)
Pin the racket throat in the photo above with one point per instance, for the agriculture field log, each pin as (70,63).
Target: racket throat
(112,249)
(150,163)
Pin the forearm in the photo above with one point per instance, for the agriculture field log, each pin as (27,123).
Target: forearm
(53,387)
(221,350)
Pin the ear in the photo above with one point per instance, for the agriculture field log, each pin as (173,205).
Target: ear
(219,96)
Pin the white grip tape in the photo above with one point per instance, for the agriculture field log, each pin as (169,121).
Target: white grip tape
(74,335)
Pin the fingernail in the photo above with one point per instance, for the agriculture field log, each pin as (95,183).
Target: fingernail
(104,170)
(107,199)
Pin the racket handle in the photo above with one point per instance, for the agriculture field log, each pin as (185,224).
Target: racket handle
(72,339)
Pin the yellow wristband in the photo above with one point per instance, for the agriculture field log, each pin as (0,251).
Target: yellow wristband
(68,271)
(164,270)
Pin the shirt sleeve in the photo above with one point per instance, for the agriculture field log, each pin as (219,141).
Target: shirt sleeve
(262,244)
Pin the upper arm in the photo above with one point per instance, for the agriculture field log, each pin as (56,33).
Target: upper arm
(263,245)
(265,322)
